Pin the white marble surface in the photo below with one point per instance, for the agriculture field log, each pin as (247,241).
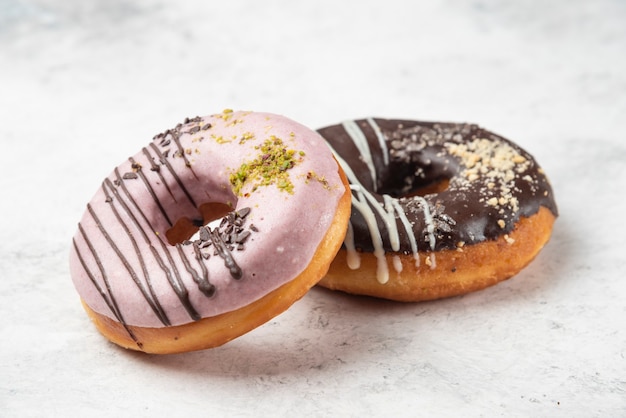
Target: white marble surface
(84,84)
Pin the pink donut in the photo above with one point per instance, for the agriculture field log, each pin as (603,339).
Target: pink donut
(284,206)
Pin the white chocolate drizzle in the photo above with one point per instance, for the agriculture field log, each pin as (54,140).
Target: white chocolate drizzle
(430,228)
(353,260)
(397,264)
(381,140)
(409,230)
(360,140)
(364,201)
(359,202)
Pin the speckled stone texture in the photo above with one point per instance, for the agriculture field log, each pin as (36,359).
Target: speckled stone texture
(77,76)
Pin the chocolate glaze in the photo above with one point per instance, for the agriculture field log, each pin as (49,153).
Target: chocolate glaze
(492,183)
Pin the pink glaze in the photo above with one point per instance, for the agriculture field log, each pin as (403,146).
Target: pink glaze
(111,262)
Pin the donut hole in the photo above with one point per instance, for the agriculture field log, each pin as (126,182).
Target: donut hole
(426,172)
(186,227)
(416,189)
(438,186)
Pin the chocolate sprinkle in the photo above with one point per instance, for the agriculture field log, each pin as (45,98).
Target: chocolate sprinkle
(130,176)
(242,237)
(242,213)
(228,236)
(205,235)
(174,135)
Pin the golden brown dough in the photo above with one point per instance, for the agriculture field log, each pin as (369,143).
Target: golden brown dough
(457,272)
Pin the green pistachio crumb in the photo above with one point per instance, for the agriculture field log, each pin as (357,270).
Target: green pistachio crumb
(271,166)
(311,175)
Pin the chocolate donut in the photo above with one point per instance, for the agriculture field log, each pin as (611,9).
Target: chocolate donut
(428,200)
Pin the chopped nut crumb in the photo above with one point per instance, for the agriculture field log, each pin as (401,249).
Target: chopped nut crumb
(492,167)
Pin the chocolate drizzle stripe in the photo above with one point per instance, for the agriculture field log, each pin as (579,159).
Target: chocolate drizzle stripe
(160,311)
(194,274)
(150,190)
(173,172)
(175,280)
(179,286)
(180,289)
(182,152)
(205,272)
(224,252)
(153,305)
(107,296)
(205,286)
(118,198)
(157,170)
